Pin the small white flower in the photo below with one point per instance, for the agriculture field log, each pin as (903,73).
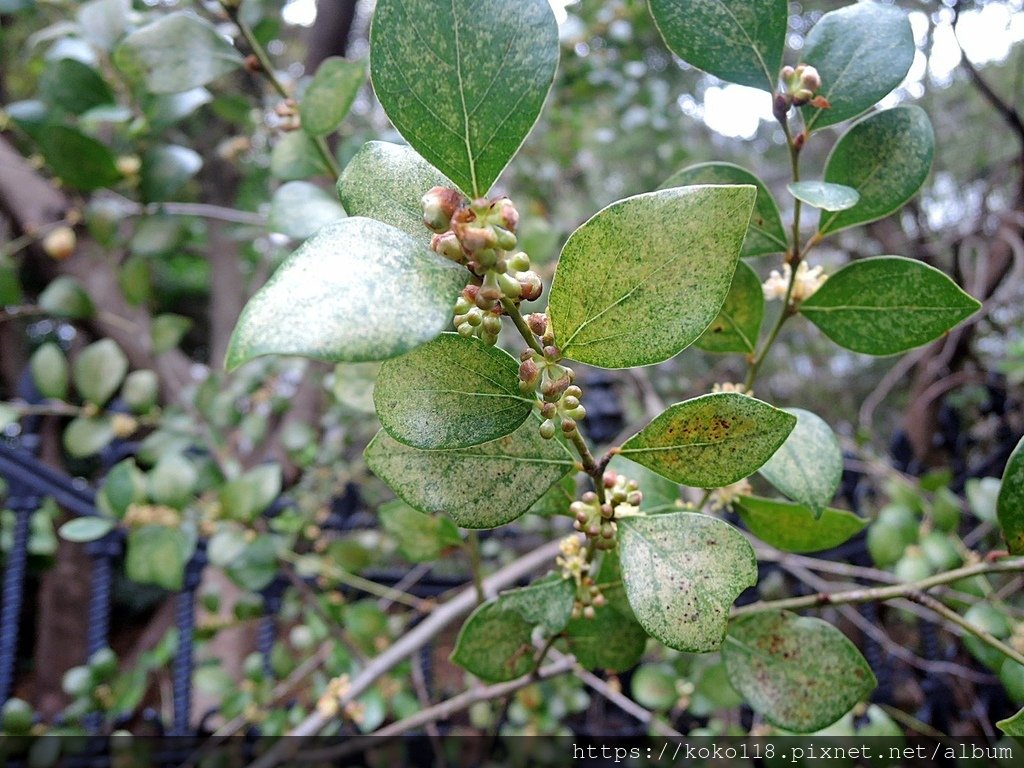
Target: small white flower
(808,281)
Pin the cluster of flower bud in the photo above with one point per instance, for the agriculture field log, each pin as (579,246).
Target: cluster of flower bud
(596,520)
(543,374)
(138,515)
(729,386)
(477,316)
(329,703)
(808,281)
(287,112)
(574,565)
(723,498)
(800,86)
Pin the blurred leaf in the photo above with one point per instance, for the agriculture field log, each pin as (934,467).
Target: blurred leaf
(87,436)
(643,278)
(862,52)
(49,370)
(823,195)
(386,182)
(104,22)
(809,465)
(123,486)
(1010,504)
(295,157)
(65,297)
(157,555)
(428,61)
(801,673)
(710,441)
(1013,726)
(172,480)
(83,529)
(167,330)
(451,392)
(80,161)
(73,86)
(480,487)
(887,305)
(739,320)
(298,209)
(99,370)
(257,566)
(421,538)
(682,572)
(330,94)
(176,52)
(166,169)
(249,495)
(886,158)
(165,110)
(794,527)
(357,290)
(740,42)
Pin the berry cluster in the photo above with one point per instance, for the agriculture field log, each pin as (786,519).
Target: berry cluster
(481,235)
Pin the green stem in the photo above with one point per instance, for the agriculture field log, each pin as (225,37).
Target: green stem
(520,323)
(370,587)
(953,617)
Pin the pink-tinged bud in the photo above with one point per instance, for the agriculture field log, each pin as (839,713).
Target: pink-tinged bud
(477,238)
(448,245)
(589,497)
(780,107)
(588,612)
(507,214)
(634,498)
(787,73)
(439,205)
(528,371)
(551,352)
(568,426)
(538,323)
(599,600)
(607,512)
(549,410)
(810,79)
(609,479)
(532,285)
(552,389)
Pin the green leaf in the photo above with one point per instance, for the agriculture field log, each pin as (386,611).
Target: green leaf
(256,566)
(421,538)
(83,529)
(157,555)
(298,209)
(49,370)
(480,487)
(801,673)
(386,182)
(177,52)
(794,527)
(123,486)
(711,440)
(494,643)
(166,168)
(809,465)
(141,390)
(861,52)
(464,84)
(87,436)
(738,42)
(73,86)
(1010,503)
(103,22)
(739,320)
(330,95)
(167,330)
(295,157)
(556,499)
(8,415)
(99,370)
(644,277)
(166,110)
(357,290)
(65,297)
(886,305)
(452,392)
(765,233)
(613,640)
(246,497)
(823,195)
(682,572)
(80,161)
(886,157)
(172,480)
(1012,726)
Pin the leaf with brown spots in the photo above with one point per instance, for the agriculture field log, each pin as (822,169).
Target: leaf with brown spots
(801,673)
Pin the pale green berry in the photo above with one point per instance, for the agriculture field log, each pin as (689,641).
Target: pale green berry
(520,262)
(547,429)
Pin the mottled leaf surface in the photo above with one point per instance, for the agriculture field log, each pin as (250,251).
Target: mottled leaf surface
(357,290)
(801,673)
(809,465)
(886,158)
(1010,503)
(480,487)
(386,182)
(464,82)
(452,392)
(682,572)
(765,233)
(886,305)
(795,527)
(177,52)
(738,42)
(739,320)
(330,94)
(823,195)
(298,209)
(710,441)
(644,277)
(862,52)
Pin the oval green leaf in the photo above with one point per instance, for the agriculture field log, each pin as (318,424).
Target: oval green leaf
(83,529)
(73,86)
(480,487)
(739,320)
(794,527)
(1010,503)
(386,182)
(357,290)
(464,87)
(801,673)
(738,42)
(157,555)
(80,161)
(99,370)
(682,572)
(710,441)
(87,436)
(765,233)
(295,157)
(329,96)
(298,209)
(49,370)
(1013,726)
(823,195)
(886,158)
(886,305)
(809,465)
(421,538)
(177,52)
(451,392)
(643,278)
(861,52)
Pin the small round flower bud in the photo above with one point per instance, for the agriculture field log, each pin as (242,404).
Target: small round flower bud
(599,600)
(810,79)
(526,389)
(568,426)
(787,73)
(532,285)
(477,238)
(579,413)
(448,245)
(538,323)
(474,317)
(510,287)
(607,512)
(439,204)
(547,429)
(505,239)
(59,242)
(589,612)
(508,216)
(573,391)
(492,324)
(520,262)
(609,479)
(589,497)
(633,498)
(528,372)
(548,410)
(465,330)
